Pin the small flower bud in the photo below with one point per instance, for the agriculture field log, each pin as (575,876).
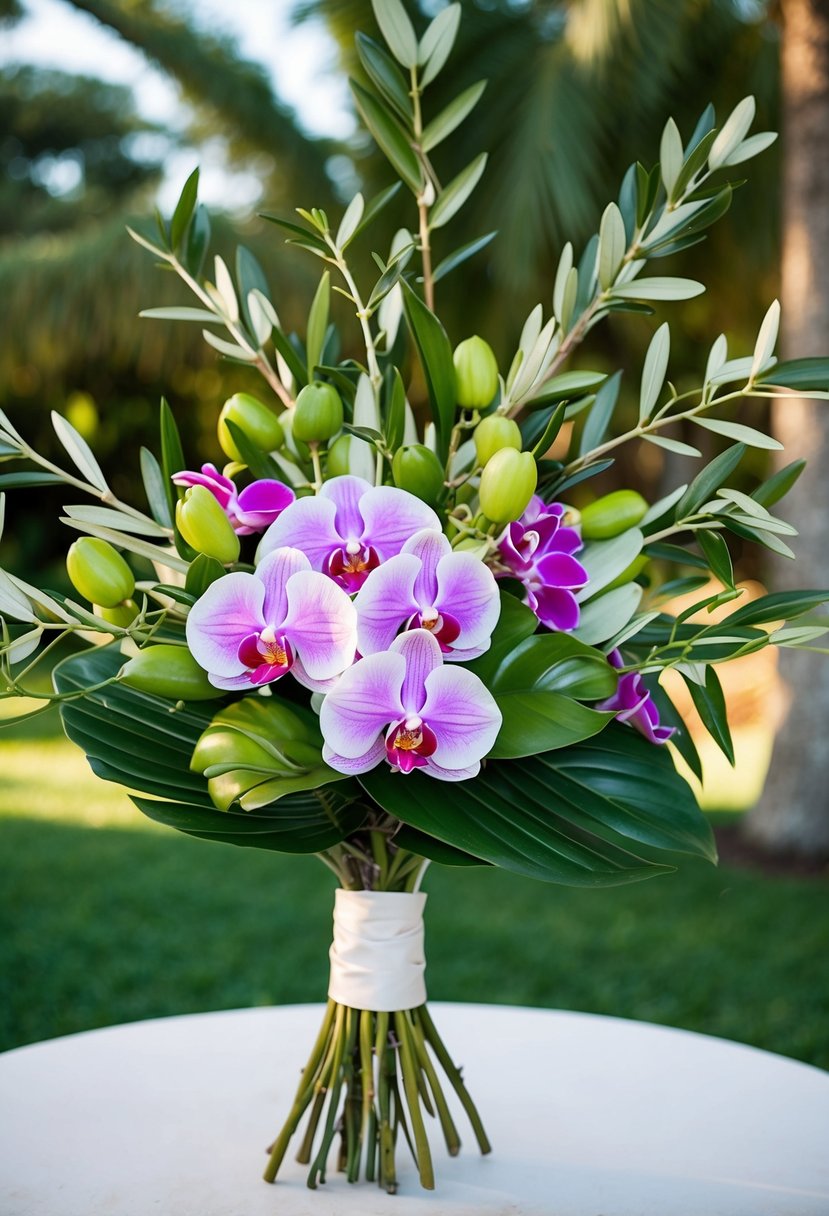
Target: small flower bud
(476,373)
(418,470)
(318,414)
(204,525)
(612,514)
(260,425)
(168,671)
(507,484)
(494,433)
(336,464)
(98,572)
(122,614)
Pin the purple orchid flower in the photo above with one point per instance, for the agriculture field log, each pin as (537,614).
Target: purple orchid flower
(250,629)
(427,586)
(404,706)
(632,703)
(350,527)
(538,550)
(250,510)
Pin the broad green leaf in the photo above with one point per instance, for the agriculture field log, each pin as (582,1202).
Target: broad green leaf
(612,245)
(709,703)
(605,560)
(436,359)
(743,434)
(658,289)
(670,156)
(452,197)
(318,323)
(79,452)
(654,370)
(607,614)
(450,263)
(203,572)
(386,76)
(709,479)
(390,137)
(452,116)
(183,213)
(538,720)
(397,30)
(436,850)
(436,44)
(560,816)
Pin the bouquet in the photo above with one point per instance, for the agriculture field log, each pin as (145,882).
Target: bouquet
(382,632)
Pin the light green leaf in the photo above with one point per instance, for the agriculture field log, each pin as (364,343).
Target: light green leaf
(658,288)
(118,520)
(670,155)
(225,288)
(12,601)
(390,137)
(350,221)
(450,263)
(733,133)
(230,349)
(79,452)
(751,147)
(612,245)
(452,116)
(452,198)
(716,357)
(565,265)
(397,30)
(318,322)
(766,339)
(605,560)
(662,507)
(604,616)
(673,445)
(743,434)
(179,314)
(436,44)
(653,373)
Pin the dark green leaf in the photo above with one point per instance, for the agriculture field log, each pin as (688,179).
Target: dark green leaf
(249,276)
(549,434)
(185,207)
(709,703)
(259,463)
(198,240)
(675,553)
(452,116)
(288,351)
(778,485)
(601,412)
(385,74)
(457,258)
(780,606)
(305,236)
(515,623)
(589,470)
(719,559)
(803,374)
(436,850)
(669,715)
(436,360)
(395,409)
(375,207)
(12,481)
(390,136)
(203,571)
(709,480)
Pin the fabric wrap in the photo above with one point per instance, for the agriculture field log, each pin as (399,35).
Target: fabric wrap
(377,956)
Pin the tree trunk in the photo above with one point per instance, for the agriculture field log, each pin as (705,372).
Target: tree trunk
(793,813)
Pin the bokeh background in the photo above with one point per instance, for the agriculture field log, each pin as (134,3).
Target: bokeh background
(105,108)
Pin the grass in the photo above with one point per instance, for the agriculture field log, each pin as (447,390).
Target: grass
(109,918)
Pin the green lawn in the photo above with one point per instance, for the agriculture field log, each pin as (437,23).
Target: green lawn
(109,918)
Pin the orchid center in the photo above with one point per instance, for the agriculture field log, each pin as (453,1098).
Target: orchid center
(444,627)
(409,743)
(266,655)
(351,565)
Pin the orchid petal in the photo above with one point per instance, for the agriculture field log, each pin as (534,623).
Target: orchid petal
(562,570)
(423,656)
(320,624)
(385,601)
(301,676)
(463,714)
(430,547)
(365,701)
(274,571)
(229,610)
(221,487)
(260,503)
(308,525)
(391,516)
(346,494)
(361,764)
(467,589)
(556,608)
(230,683)
(451,774)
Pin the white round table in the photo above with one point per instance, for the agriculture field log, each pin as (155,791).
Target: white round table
(589,1116)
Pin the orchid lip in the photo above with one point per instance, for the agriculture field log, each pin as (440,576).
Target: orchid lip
(410,743)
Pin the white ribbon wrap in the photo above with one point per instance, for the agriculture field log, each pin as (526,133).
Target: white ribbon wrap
(377,957)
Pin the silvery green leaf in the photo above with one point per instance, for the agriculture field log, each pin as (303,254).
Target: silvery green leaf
(733,370)
(350,221)
(798,635)
(463,458)
(671,222)
(673,445)
(397,30)
(750,505)
(531,330)
(743,434)
(612,245)
(658,288)
(670,155)
(436,44)
(40,599)
(168,557)
(117,520)
(266,306)
(226,290)
(565,264)
(366,411)
(630,630)
(410,434)
(2,514)
(20,648)
(769,524)
(517,360)
(733,133)
(390,313)
(601,412)
(230,349)
(569,297)
(318,322)
(452,198)
(430,437)
(452,116)
(79,451)
(630,270)
(694,671)
(532,364)
(7,427)
(607,614)
(766,339)
(179,314)
(662,507)
(753,146)
(12,602)
(653,372)
(459,256)
(291,471)
(605,560)
(259,320)
(716,357)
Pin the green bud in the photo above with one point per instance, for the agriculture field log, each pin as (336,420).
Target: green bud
(259,424)
(494,433)
(418,470)
(612,514)
(507,484)
(204,525)
(318,414)
(122,614)
(99,572)
(476,373)
(168,671)
(336,464)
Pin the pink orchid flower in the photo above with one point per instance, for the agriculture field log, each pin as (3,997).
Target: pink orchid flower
(250,629)
(634,705)
(350,527)
(538,550)
(250,510)
(428,586)
(404,706)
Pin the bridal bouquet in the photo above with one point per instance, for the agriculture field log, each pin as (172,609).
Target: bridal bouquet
(384,634)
